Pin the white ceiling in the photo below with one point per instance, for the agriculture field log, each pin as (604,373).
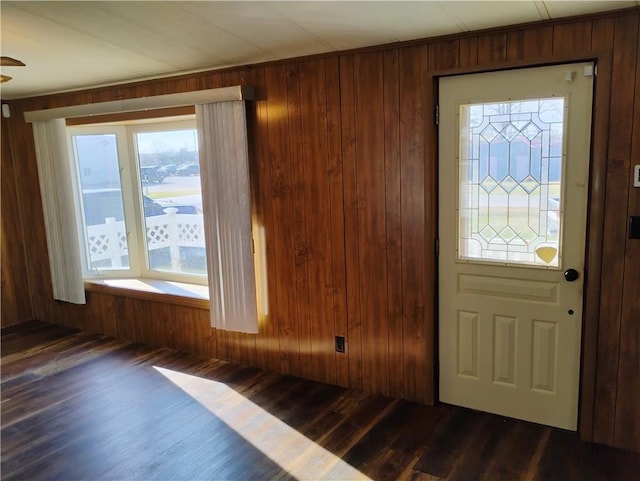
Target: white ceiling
(73,45)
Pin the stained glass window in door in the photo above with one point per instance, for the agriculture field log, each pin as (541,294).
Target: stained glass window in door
(511,163)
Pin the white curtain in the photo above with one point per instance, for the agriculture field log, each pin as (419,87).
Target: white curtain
(224,171)
(56,187)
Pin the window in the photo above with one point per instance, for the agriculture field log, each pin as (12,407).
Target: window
(140,200)
(220,118)
(510,181)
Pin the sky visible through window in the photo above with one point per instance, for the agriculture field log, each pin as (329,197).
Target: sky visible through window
(176,140)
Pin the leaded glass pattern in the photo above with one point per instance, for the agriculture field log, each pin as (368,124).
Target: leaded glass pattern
(511,164)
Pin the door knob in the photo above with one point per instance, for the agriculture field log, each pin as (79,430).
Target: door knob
(571,275)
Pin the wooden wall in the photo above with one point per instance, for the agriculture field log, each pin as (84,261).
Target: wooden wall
(344,179)
(16,294)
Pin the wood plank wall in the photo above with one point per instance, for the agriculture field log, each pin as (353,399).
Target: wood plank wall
(344,186)
(16,296)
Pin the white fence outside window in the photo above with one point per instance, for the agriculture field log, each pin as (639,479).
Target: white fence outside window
(108,241)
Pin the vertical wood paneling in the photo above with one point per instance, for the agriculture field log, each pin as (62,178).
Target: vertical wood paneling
(444,55)
(189,330)
(602,35)
(172,329)
(627,434)
(315,152)
(208,80)
(369,116)
(492,48)
(72,315)
(336,201)
(530,43)
(572,37)
(281,200)
(301,243)
(16,295)
(468,51)
(348,118)
(616,207)
(28,194)
(267,343)
(417,254)
(102,308)
(602,41)
(130,311)
(393,207)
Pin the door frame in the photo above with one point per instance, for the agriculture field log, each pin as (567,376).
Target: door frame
(595,213)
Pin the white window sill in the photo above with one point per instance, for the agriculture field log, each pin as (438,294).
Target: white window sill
(179,293)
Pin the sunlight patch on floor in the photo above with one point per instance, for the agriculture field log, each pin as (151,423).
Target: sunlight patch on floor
(294,452)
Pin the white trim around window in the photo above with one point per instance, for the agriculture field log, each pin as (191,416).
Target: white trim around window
(140,236)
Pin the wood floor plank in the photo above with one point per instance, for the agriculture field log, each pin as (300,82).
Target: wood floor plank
(518,447)
(380,436)
(39,333)
(449,442)
(486,445)
(76,406)
(65,351)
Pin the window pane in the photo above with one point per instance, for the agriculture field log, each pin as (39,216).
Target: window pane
(102,207)
(510,181)
(172,201)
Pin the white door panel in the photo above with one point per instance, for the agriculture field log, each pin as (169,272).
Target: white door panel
(513,175)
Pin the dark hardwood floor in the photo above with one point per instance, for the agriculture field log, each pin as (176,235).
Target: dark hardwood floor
(79,406)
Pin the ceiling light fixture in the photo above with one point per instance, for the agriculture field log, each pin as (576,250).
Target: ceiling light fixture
(9,62)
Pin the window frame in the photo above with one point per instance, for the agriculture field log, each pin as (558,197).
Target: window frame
(132,192)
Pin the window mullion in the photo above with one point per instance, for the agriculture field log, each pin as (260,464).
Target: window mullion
(130,196)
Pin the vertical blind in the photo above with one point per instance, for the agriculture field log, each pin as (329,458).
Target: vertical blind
(56,186)
(224,172)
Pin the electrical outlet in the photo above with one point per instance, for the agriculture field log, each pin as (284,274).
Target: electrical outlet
(340,344)
(634,227)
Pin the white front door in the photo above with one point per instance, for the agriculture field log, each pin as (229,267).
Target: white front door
(514,149)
